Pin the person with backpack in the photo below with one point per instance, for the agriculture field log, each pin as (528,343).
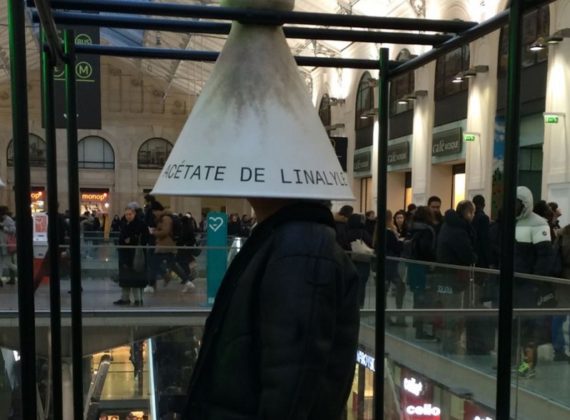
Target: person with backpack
(420,246)
(164,257)
(186,242)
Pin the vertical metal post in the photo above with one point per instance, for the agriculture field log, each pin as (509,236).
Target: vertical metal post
(512,128)
(53,226)
(381,234)
(26,316)
(75,257)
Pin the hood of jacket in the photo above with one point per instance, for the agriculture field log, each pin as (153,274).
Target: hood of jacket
(525,195)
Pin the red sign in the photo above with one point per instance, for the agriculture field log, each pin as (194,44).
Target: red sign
(422,412)
(473,412)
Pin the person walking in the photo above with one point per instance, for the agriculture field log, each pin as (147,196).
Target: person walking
(132,279)
(400,222)
(164,257)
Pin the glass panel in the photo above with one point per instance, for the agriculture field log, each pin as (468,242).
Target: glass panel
(95,153)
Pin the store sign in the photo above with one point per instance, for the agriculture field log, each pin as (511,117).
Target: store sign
(340,145)
(363,163)
(447,143)
(36,195)
(93,196)
(399,154)
(413,386)
(88,77)
(423,412)
(366,360)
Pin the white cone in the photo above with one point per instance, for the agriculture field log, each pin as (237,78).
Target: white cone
(254,131)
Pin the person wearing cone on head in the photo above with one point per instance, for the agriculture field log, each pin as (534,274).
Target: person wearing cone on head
(281,339)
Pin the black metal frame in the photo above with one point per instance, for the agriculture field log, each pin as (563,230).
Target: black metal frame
(465,32)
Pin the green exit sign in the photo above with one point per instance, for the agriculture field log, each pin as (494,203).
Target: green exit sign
(551,119)
(470,137)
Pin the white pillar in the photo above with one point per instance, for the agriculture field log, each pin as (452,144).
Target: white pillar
(482,105)
(556,162)
(423,134)
(67,390)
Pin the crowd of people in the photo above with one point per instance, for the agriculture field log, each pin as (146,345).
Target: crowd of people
(466,236)
(157,245)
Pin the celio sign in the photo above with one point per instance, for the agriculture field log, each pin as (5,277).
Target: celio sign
(426,410)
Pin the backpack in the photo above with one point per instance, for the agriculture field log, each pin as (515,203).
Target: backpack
(410,249)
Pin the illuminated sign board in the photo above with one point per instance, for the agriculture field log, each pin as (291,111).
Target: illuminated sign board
(366,360)
(423,412)
(413,386)
(471,137)
(94,196)
(482,418)
(551,119)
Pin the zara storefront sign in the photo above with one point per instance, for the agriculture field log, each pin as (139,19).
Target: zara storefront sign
(448,142)
(366,360)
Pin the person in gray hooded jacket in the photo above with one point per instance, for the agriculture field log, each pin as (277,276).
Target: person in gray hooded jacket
(534,254)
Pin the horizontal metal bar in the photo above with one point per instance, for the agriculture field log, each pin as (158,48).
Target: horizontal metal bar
(212,56)
(470,35)
(217,28)
(262,16)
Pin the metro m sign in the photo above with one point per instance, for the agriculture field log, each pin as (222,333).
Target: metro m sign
(88,82)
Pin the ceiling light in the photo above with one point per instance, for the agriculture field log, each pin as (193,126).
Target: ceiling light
(403,100)
(537,45)
(458,78)
(552,40)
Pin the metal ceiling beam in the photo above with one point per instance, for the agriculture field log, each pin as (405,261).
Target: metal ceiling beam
(262,16)
(184,26)
(48,25)
(212,56)
(470,35)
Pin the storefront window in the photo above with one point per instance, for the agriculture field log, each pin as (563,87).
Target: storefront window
(409,192)
(37,152)
(95,153)
(154,153)
(325,110)
(364,102)
(447,67)
(401,86)
(366,194)
(535,25)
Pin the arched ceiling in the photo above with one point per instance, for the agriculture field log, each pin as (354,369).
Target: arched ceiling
(191,76)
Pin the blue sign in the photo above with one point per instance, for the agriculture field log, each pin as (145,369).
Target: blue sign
(217,254)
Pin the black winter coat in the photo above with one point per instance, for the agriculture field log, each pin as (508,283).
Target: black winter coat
(456,240)
(281,339)
(482,225)
(131,234)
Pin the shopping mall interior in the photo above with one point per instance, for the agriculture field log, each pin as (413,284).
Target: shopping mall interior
(449,128)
